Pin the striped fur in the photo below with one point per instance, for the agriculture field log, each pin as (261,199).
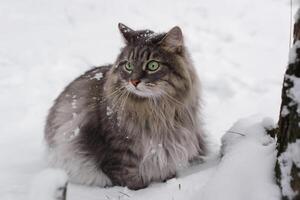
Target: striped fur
(102,130)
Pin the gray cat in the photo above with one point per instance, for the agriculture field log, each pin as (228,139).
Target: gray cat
(133,122)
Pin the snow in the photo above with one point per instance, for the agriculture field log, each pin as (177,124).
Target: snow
(74,102)
(286,161)
(246,169)
(45,184)
(244,128)
(285,111)
(294,92)
(98,76)
(109,111)
(74,133)
(293,53)
(268,123)
(239,51)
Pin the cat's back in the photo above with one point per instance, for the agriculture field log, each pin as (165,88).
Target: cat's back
(77,99)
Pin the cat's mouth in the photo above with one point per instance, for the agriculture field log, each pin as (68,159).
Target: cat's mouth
(143,90)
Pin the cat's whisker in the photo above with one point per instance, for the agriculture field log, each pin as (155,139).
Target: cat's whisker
(123,103)
(150,100)
(152,104)
(111,94)
(159,113)
(125,100)
(122,100)
(119,98)
(172,98)
(183,106)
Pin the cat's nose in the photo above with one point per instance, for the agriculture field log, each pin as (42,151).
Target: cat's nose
(135,82)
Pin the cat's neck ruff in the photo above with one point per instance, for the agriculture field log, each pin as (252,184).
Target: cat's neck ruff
(153,115)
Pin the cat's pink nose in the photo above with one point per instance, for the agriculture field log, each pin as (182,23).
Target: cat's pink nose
(135,82)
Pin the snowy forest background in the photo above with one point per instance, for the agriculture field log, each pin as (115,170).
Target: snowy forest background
(240,49)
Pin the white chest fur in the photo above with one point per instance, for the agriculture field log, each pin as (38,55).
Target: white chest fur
(163,156)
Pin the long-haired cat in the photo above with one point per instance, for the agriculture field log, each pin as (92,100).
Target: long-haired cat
(133,122)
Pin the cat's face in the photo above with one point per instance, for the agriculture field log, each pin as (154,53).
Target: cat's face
(150,65)
(144,71)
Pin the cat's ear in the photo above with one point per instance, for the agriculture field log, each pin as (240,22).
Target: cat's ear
(126,32)
(173,40)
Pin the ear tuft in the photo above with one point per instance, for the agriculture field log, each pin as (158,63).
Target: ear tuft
(173,40)
(126,32)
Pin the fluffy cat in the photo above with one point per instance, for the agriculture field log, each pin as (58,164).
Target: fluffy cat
(133,122)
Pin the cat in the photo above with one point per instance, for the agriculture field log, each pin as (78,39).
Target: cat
(131,123)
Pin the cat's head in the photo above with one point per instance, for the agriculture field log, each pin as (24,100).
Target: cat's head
(153,65)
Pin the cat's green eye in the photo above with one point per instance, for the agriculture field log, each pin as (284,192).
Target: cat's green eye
(153,65)
(129,66)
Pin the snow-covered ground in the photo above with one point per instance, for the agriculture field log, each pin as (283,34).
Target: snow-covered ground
(240,49)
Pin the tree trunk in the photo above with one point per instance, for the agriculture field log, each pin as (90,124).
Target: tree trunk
(288,133)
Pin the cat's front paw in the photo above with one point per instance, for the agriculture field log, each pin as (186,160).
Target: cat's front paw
(170,176)
(136,184)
